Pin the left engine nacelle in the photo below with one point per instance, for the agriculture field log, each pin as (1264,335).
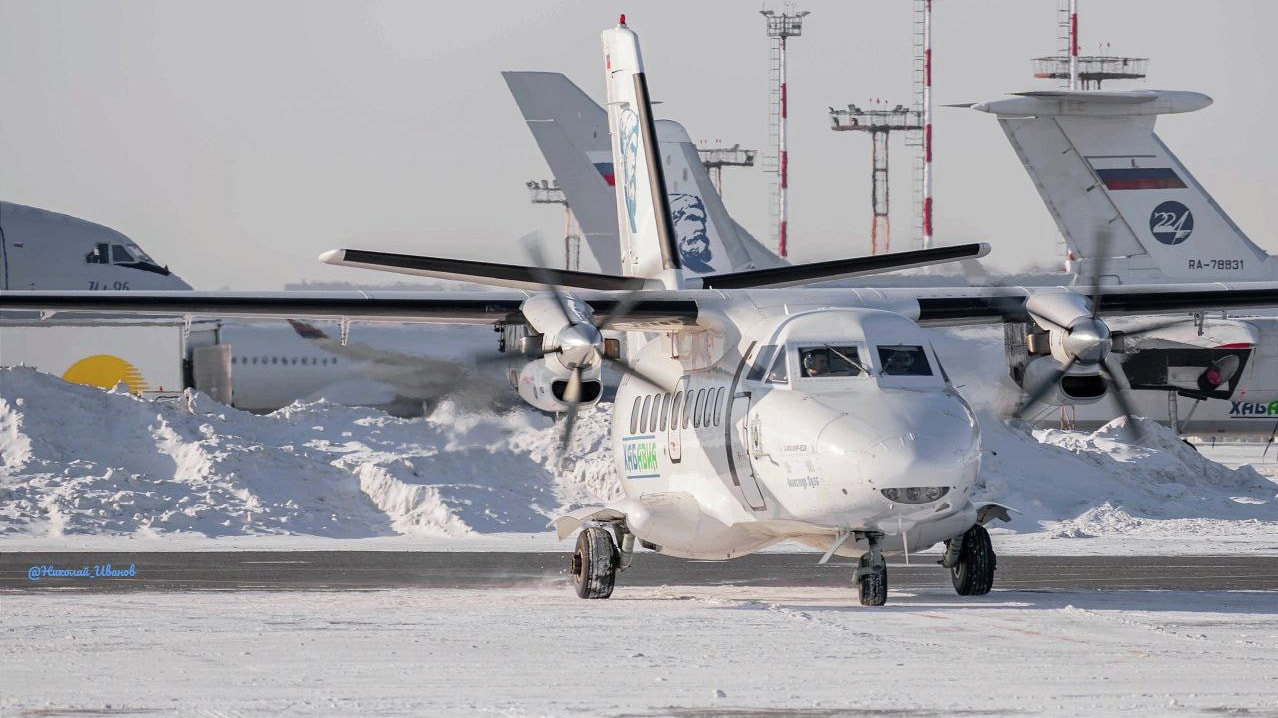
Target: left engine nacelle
(542,383)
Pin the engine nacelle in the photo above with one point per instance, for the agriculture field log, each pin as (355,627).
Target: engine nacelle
(542,383)
(1082,385)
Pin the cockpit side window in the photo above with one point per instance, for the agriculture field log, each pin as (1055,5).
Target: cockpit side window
(762,362)
(780,374)
(829,360)
(99,255)
(904,360)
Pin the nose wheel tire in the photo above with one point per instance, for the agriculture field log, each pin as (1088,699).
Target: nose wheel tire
(872,583)
(594,563)
(973,573)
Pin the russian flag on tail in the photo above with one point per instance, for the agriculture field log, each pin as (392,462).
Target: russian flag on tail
(1141,178)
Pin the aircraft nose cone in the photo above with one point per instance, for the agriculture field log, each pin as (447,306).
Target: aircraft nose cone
(918,439)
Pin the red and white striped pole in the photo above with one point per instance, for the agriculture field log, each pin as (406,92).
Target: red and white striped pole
(927,124)
(1073,44)
(782,160)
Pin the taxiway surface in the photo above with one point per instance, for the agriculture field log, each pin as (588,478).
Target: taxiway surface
(355,570)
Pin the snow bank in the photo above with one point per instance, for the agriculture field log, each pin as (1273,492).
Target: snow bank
(77,461)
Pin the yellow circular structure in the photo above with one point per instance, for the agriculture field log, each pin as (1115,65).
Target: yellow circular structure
(104,370)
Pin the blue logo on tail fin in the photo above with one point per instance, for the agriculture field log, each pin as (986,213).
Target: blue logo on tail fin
(628,140)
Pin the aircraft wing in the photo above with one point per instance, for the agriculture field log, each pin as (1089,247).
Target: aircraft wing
(977,304)
(425,307)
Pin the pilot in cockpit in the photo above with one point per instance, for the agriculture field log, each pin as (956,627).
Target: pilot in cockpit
(816,363)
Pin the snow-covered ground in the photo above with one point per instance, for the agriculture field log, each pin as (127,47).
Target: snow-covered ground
(711,652)
(81,468)
(85,469)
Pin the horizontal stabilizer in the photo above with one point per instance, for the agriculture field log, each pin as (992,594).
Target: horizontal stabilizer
(498,275)
(1095,103)
(842,268)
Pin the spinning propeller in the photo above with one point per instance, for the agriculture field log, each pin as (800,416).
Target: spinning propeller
(579,344)
(1087,341)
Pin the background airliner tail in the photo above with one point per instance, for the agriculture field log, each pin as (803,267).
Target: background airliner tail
(572,132)
(1115,189)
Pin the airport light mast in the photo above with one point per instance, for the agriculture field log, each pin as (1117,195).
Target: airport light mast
(879,123)
(549,192)
(717,157)
(780,27)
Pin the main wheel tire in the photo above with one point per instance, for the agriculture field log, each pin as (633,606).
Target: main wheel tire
(973,575)
(594,563)
(873,586)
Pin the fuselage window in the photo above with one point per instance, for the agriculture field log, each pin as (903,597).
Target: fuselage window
(904,360)
(643,417)
(674,410)
(696,415)
(656,412)
(665,411)
(707,417)
(718,405)
(762,362)
(634,416)
(688,397)
(254,360)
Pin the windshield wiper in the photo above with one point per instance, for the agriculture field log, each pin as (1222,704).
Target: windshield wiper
(849,360)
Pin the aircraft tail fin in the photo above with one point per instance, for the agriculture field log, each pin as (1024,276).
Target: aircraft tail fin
(572,132)
(1115,189)
(648,245)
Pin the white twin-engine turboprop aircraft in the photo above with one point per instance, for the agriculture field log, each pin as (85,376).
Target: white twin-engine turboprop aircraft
(752,414)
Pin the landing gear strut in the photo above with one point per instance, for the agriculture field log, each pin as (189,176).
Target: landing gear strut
(871,574)
(595,562)
(971,561)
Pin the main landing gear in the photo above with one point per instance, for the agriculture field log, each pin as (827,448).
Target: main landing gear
(871,574)
(597,559)
(971,561)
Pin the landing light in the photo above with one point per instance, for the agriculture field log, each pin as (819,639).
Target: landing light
(915,494)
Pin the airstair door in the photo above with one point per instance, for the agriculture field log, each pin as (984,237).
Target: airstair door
(744,443)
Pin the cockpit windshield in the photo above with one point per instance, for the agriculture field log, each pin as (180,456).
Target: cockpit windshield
(829,360)
(904,360)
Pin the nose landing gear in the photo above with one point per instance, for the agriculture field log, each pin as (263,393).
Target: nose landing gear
(971,561)
(871,574)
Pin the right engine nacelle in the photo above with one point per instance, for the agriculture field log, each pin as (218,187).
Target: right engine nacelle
(1079,386)
(542,383)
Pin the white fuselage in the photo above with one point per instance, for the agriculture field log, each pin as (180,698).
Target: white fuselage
(758,459)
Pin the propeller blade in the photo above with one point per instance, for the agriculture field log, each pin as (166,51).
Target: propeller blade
(572,397)
(1112,370)
(1104,238)
(547,276)
(623,308)
(629,369)
(1041,390)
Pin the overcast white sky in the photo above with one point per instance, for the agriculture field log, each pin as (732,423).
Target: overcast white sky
(237,140)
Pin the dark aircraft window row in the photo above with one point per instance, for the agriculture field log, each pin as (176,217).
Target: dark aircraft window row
(656,412)
(304,361)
